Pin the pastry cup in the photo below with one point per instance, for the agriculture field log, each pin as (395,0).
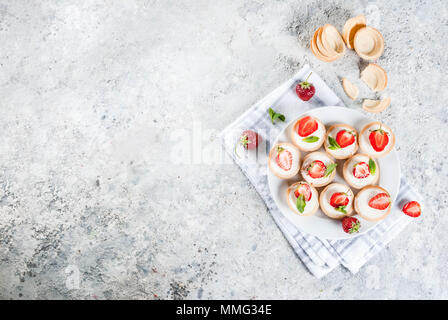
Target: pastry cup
(374,77)
(368,43)
(375,154)
(291,173)
(331,152)
(293,132)
(322,200)
(293,208)
(345,171)
(350,89)
(315,50)
(375,106)
(352,26)
(332,40)
(359,211)
(305,176)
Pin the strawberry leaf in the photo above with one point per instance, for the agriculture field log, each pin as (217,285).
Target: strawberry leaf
(372,167)
(275,116)
(333,144)
(310,139)
(300,203)
(330,168)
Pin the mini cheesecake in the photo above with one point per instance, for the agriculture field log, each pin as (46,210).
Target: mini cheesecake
(318,169)
(336,201)
(360,171)
(302,198)
(373,203)
(284,160)
(341,141)
(376,139)
(307,133)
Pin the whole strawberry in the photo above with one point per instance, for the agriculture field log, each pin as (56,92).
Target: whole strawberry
(249,139)
(305,90)
(350,224)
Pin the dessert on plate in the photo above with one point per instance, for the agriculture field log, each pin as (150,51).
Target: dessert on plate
(376,139)
(373,203)
(307,133)
(284,160)
(341,141)
(336,201)
(302,198)
(318,169)
(360,171)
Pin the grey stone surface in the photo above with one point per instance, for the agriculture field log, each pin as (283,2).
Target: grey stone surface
(95,97)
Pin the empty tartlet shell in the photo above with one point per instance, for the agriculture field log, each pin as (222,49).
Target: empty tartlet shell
(293,131)
(375,106)
(332,40)
(331,177)
(374,77)
(291,205)
(315,49)
(368,43)
(352,26)
(350,89)
(292,173)
(359,211)
(344,169)
(329,151)
(391,140)
(328,214)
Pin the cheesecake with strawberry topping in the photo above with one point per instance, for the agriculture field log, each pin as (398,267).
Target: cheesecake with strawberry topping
(284,160)
(341,141)
(336,201)
(307,133)
(360,171)
(318,169)
(376,139)
(373,203)
(302,198)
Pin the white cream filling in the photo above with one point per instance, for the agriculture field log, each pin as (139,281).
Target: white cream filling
(364,141)
(295,160)
(333,188)
(298,140)
(309,206)
(312,157)
(342,152)
(359,183)
(362,203)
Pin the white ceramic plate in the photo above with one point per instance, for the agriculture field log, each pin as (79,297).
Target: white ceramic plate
(319,224)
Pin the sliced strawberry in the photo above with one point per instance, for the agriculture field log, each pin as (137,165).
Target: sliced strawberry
(350,224)
(316,169)
(307,126)
(361,170)
(412,209)
(339,199)
(379,139)
(345,138)
(380,202)
(305,190)
(284,158)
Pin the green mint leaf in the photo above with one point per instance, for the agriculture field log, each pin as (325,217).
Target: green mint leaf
(310,139)
(372,167)
(275,116)
(300,204)
(330,169)
(334,145)
(342,209)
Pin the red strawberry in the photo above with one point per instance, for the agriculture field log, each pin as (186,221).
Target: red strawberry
(304,189)
(412,209)
(339,199)
(345,138)
(350,224)
(316,169)
(381,201)
(250,139)
(284,158)
(307,126)
(361,170)
(379,139)
(305,90)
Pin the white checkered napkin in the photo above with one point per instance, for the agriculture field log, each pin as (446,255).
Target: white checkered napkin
(320,256)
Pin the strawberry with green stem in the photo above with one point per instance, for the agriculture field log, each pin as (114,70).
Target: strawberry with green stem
(305,90)
(249,139)
(379,139)
(350,225)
